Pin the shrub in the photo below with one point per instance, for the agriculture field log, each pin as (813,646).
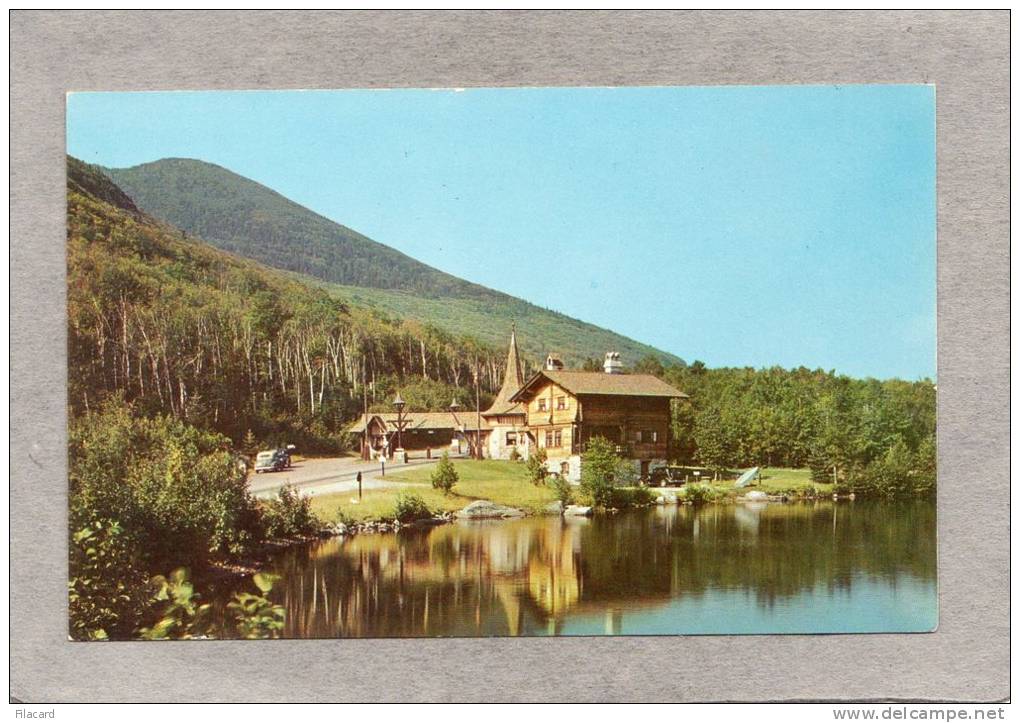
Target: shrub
(290,514)
(696,493)
(342,517)
(561,488)
(444,476)
(410,507)
(624,497)
(515,455)
(254,615)
(601,471)
(900,472)
(108,593)
(176,491)
(535,465)
(183,616)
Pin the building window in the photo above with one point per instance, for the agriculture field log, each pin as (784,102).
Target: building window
(561,402)
(549,439)
(541,404)
(511,438)
(565,468)
(558,438)
(647,436)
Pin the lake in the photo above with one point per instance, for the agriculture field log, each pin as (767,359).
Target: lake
(800,567)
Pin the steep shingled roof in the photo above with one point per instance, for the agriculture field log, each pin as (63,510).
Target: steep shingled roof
(513,379)
(577,383)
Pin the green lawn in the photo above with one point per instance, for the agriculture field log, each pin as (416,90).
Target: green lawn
(501,482)
(506,483)
(776,480)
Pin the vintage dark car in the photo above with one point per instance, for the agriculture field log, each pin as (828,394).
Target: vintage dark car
(271,460)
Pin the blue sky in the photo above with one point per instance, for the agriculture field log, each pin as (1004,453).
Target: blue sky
(746,226)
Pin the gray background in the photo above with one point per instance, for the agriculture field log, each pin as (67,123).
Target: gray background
(965,54)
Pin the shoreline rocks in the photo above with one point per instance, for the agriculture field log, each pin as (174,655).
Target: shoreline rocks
(578,511)
(486,510)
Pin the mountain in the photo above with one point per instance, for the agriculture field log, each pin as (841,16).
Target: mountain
(239,215)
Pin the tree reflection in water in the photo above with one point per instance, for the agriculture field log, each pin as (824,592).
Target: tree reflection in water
(621,573)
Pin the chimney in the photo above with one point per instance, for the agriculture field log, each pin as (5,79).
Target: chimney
(613,365)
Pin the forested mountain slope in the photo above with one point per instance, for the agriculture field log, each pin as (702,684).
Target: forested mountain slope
(239,215)
(178,327)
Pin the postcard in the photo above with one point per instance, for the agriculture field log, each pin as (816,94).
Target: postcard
(501,362)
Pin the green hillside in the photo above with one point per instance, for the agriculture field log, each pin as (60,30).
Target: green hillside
(248,219)
(237,214)
(539,330)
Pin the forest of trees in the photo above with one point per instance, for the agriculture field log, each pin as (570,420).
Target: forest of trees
(844,429)
(179,328)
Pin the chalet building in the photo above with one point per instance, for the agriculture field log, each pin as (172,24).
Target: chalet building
(565,409)
(556,409)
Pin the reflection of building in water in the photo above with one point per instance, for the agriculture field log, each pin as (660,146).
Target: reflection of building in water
(520,578)
(554,580)
(606,575)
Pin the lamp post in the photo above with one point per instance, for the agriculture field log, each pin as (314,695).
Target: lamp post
(399,404)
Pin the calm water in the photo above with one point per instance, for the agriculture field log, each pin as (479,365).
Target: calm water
(763,568)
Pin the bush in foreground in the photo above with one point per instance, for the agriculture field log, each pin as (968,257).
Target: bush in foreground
(602,470)
(562,489)
(184,616)
(696,493)
(108,593)
(290,514)
(535,466)
(177,492)
(624,497)
(410,507)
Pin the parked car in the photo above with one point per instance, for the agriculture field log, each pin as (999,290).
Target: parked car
(662,476)
(270,460)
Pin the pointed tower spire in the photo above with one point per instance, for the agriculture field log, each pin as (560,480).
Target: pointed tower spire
(513,377)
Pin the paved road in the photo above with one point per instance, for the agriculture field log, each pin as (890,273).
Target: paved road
(326,475)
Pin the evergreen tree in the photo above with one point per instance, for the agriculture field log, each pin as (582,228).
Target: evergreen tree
(444,476)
